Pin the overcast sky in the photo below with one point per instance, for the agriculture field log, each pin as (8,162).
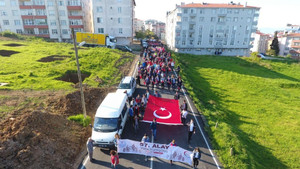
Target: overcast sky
(274,14)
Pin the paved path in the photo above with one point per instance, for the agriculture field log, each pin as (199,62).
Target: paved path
(165,134)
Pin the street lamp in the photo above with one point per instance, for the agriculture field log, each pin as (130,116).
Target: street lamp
(78,71)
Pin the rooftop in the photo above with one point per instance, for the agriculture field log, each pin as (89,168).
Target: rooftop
(211,5)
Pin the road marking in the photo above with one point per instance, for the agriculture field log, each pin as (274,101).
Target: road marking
(151,160)
(212,154)
(86,160)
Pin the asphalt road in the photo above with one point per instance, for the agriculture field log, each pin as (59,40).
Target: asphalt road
(165,134)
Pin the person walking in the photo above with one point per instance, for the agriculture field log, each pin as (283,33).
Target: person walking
(145,139)
(156,94)
(131,115)
(153,127)
(176,96)
(142,110)
(183,116)
(184,105)
(136,123)
(90,145)
(191,130)
(196,156)
(172,144)
(114,159)
(117,138)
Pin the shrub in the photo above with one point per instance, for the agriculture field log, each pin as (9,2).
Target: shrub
(12,35)
(81,120)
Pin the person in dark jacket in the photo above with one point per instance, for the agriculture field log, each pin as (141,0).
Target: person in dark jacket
(153,127)
(90,149)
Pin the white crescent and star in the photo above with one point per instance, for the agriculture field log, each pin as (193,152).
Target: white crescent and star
(162,117)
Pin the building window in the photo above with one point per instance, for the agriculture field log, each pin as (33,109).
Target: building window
(248,19)
(38,2)
(201,11)
(120,31)
(52,22)
(249,11)
(229,11)
(40,21)
(15,13)
(119,0)
(228,19)
(185,11)
(5,22)
(60,3)
(185,19)
(119,9)
(64,31)
(51,13)
(99,9)
(235,19)
(183,42)
(119,20)
(192,10)
(13,3)
(43,31)
(3,13)
(63,22)
(199,42)
(212,19)
(236,11)
(74,2)
(100,30)
(54,31)
(50,3)
(99,20)
(201,19)
(61,13)
(19,31)
(191,42)
(214,11)
(2,2)
(28,22)
(17,22)
(40,12)
(75,22)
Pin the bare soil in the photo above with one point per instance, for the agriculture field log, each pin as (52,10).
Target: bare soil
(37,133)
(73,77)
(53,58)
(13,44)
(7,53)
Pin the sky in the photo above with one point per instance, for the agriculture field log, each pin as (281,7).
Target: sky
(274,14)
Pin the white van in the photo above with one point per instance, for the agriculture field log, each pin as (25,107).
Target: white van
(110,119)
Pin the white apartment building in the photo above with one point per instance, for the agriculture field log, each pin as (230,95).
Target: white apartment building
(206,29)
(289,41)
(157,27)
(45,18)
(260,43)
(112,17)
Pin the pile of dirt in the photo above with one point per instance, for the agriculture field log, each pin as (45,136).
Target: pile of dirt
(7,53)
(44,138)
(13,44)
(40,140)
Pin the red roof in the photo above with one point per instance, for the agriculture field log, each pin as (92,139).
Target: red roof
(293,34)
(209,5)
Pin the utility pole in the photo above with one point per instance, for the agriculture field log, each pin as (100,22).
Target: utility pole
(79,74)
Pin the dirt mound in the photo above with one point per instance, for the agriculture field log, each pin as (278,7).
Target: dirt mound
(39,140)
(13,44)
(7,53)
(53,58)
(71,103)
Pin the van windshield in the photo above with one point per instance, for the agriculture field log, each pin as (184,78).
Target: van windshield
(124,86)
(106,124)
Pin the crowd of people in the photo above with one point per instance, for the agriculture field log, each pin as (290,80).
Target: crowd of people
(155,71)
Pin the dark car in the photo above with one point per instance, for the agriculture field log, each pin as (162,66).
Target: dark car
(123,48)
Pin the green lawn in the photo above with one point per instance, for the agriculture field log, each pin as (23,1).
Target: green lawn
(24,71)
(256,105)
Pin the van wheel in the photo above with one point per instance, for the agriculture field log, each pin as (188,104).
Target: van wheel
(108,46)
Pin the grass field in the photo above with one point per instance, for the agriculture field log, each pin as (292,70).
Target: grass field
(24,70)
(256,104)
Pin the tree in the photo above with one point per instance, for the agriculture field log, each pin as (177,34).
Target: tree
(275,44)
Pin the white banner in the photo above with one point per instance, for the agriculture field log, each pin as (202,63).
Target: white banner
(164,151)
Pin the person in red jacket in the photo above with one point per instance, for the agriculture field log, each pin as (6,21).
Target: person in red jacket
(114,159)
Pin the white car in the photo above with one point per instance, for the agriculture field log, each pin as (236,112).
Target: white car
(128,85)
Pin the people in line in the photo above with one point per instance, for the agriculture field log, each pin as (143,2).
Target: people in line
(191,130)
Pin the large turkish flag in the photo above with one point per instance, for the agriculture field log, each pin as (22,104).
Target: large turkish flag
(166,111)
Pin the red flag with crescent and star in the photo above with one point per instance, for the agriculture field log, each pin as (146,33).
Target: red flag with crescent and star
(166,111)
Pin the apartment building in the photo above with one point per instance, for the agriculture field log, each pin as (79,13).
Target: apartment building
(289,41)
(206,28)
(157,27)
(138,25)
(113,17)
(45,18)
(260,43)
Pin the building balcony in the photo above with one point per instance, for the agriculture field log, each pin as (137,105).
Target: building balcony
(191,30)
(74,7)
(221,23)
(219,38)
(178,23)
(76,26)
(75,17)
(32,7)
(192,22)
(254,23)
(179,14)
(177,38)
(34,16)
(193,14)
(297,47)
(256,14)
(36,26)
(252,39)
(218,46)
(222,15)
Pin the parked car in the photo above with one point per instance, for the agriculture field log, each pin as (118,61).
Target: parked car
(261,55)
(128,85)
(123,48)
